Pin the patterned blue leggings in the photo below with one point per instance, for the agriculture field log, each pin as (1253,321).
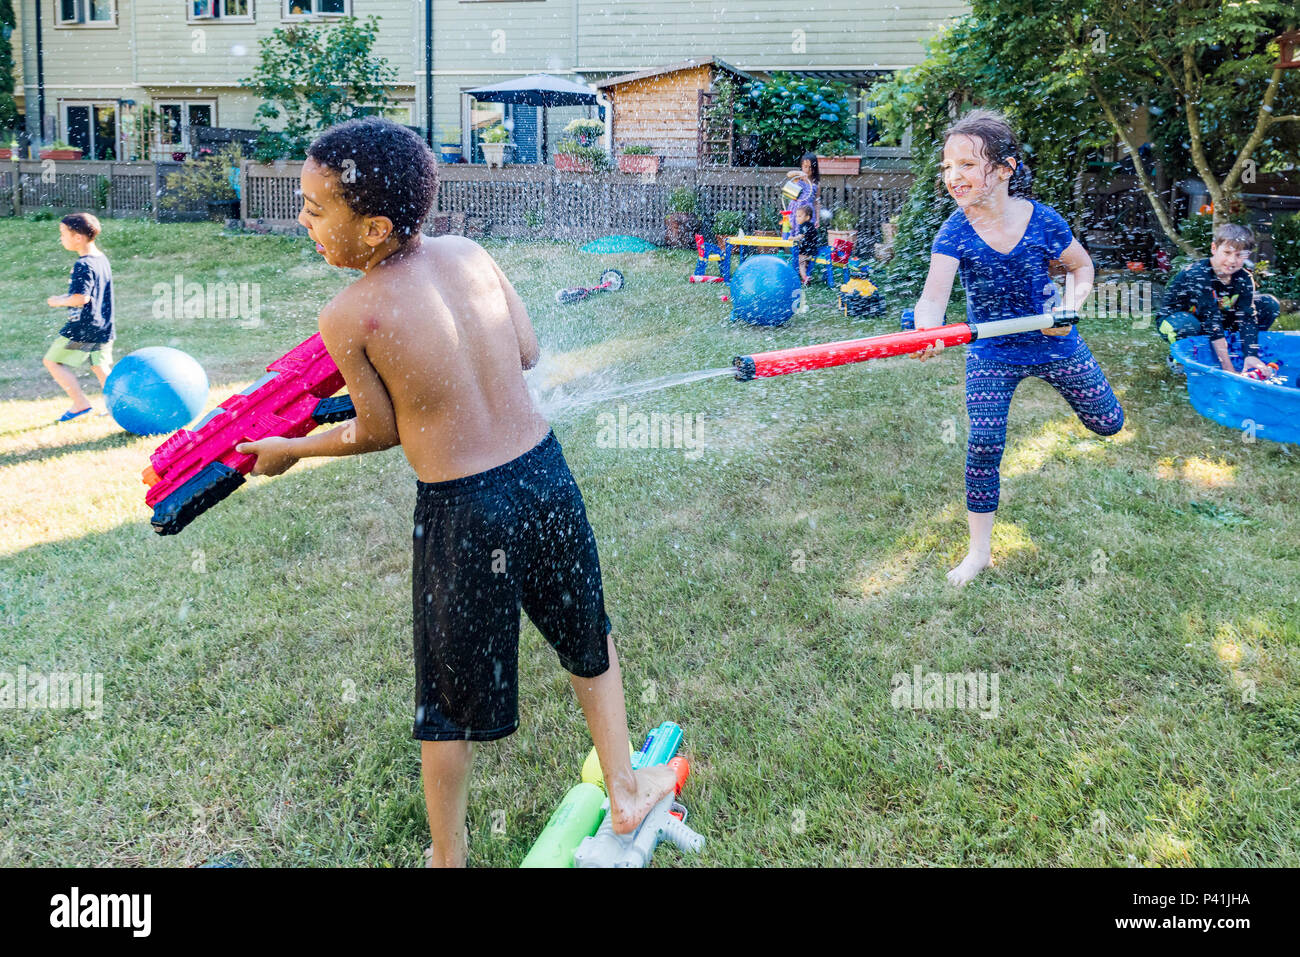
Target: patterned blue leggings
(989,387)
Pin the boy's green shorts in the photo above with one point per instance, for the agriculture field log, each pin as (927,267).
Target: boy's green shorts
(69,353)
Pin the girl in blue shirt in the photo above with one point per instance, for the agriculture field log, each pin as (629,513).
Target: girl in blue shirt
(1000,240)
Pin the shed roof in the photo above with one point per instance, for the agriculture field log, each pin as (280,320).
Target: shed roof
(673,68)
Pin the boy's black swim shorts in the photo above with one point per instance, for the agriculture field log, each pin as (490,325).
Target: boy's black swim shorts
(484,546)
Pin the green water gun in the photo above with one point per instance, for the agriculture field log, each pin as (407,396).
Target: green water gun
(583,807)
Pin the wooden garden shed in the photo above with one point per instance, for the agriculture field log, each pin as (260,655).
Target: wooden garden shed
(660,107)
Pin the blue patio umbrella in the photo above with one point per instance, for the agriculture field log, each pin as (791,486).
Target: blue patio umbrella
(538,89)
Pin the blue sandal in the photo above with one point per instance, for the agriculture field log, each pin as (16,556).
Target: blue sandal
(70,415)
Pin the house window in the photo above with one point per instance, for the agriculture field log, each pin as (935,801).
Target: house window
(869,133)
(301,9)
(180,119)
(476,118)
(220,10)
(402,111)
(89,13)
(92,128)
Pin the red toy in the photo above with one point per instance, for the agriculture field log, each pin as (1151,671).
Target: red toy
(801,358)
(707,253)
(196,468)
(610,279)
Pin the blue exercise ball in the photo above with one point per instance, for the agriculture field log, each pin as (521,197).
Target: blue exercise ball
(764,291)
(155,390)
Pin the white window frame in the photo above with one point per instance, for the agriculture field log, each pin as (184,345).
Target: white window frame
(884,152)
(217,13)
(91,104)
(185,104)
(286,15)
(83,7)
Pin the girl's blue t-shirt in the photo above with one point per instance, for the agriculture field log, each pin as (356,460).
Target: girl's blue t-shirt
(1015,284)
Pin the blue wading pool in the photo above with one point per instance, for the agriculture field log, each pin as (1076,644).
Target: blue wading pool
(1272,411)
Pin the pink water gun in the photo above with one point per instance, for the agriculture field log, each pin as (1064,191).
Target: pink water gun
(196,468)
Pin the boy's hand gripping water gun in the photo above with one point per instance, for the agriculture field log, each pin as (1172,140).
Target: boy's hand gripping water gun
(198,467)
(801,358)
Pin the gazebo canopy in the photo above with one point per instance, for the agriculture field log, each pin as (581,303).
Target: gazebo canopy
(539,89)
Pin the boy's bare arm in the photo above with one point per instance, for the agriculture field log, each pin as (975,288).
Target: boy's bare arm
(529,350)
(375,425)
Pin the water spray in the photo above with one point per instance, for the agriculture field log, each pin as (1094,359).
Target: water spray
(802,358)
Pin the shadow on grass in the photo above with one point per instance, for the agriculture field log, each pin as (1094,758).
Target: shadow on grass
(111,441)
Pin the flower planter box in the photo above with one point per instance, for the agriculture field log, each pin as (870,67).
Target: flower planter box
(493,154)
(833,234)
(839,165)
(449,153)
(638,163)
(6,153)
(60,154)
(568,163)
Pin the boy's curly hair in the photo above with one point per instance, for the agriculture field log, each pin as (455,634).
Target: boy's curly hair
(384,169)
(1000,144)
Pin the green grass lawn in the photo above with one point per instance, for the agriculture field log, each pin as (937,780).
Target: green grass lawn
(1141,618)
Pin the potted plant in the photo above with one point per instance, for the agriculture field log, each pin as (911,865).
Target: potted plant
(889,229)
(11,151)
(769,221)
(493,145)
(638,158)
(836,158)
(59,150)
(585,131)
(206,180)
(727,222)
(844,225)
(571,156)
(449,149)
(682,204)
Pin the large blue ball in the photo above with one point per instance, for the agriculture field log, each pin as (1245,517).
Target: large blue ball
(155,390)
(764,291)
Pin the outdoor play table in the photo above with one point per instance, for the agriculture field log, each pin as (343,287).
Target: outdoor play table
(754,243)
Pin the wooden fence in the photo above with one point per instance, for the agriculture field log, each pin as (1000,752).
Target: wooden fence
(538,202)
(99,186)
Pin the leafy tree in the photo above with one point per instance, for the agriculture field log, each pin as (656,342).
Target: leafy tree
(1213,63)
(8,108)
(314,79)
(1071,78)
(966,64)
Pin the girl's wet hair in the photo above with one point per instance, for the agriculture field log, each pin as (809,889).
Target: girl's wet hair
(384,169)
(1000,144)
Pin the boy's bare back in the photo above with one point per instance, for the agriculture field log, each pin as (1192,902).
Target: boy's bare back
(437,334)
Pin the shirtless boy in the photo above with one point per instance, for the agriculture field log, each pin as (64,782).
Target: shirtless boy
(433,341)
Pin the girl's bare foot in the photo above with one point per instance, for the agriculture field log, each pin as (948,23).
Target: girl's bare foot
(971,565)
(628,809)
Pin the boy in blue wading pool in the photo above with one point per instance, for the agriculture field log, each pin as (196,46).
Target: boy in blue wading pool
(1000,240)
(433,341)
(87,336)
(1217,295)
